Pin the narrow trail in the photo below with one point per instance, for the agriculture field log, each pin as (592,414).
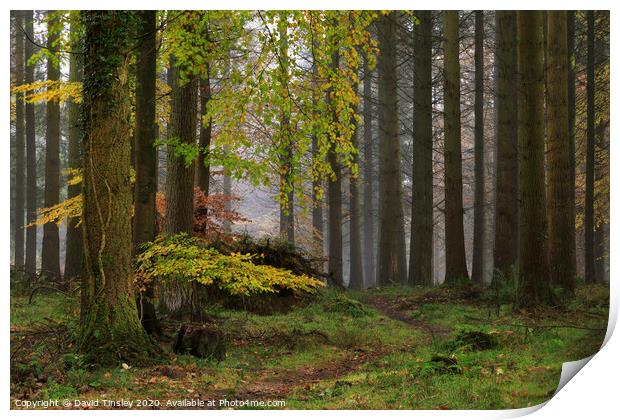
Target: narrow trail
(384,306)
(274,384)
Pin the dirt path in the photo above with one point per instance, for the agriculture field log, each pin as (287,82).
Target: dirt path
(274,384)
(277,384)
(387,308)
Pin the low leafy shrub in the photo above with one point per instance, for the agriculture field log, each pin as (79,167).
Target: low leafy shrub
(184,258)
(276,252)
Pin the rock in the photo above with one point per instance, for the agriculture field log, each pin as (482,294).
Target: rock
(204,341)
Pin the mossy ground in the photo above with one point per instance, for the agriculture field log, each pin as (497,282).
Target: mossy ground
(334,353)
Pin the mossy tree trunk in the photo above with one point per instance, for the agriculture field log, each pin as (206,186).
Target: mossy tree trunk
(111,331)
(145,188)
(421,249)
(561,222)
(50,257)
(534,286)
(456,264)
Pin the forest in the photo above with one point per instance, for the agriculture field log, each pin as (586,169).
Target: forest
(306,209)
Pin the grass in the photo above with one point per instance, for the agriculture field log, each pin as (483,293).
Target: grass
(338,352)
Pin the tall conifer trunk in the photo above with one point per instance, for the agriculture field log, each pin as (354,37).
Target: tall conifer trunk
(456,264)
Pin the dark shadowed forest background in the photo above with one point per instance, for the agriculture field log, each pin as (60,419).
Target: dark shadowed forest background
(334,209)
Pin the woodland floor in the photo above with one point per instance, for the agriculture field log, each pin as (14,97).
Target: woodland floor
(364,350)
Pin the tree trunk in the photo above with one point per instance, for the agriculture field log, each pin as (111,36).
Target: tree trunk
(50,258)
(561,223)
(111,332)
(74,251)
(533,264)
(570,15)
(31,159)
(317,205)
(369,244)
(285,140)
(477,267)
(203,168)
(391,261)
(145,188)
(589,203)
(19,145)
(456,265)
(356,273)
(334,265)
(421,247)
(505,211)
(180,179)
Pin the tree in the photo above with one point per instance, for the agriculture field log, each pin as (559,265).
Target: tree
(203,168)
(421,247)
(506,187)
(31,159)
(19,144)
(285,137)
(334,195)
(590,144)
(317,184)
(477,267)
(369,244)
(391,261)
(145,188)
(534,286)
(111,332)
(50,258)
(180,179)
(561,222)
(356,272)
(456,265)
(570,16)
(73,254)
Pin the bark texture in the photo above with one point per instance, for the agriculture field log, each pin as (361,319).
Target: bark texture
(421,248)
(111,332)
(533,263)
(456,264)
(561,222)
(477,266)
(506,187)
(391,261)
(31,159)
(74,251)
(50,257)
(145,188)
